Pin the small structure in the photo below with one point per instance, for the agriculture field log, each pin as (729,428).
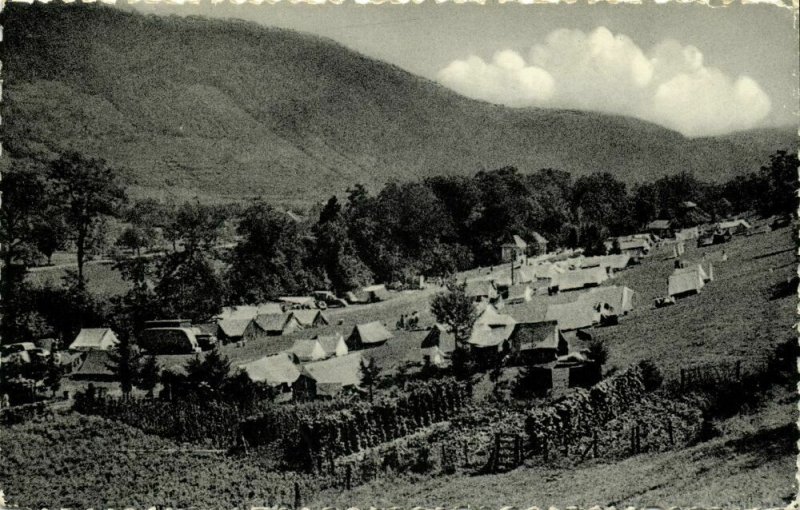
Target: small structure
(275,370)
(481,290)
(328,378)
(576,315)
(308,350)
(371,334)
(310,318)
(685,283)
(635,248)
(491,331)
(272,324)
(169,340)
(661,228)
(248,312)
(537,342)
(376,293)
(434,356)
(232,330)
(299,302)
(94,339)
(581,278)
(538,246)
(619,297)
(515,250)
(520,293)
(96,366)
(734,227)
(334,345)
(439,337)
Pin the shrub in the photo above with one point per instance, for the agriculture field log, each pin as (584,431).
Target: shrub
(651,375)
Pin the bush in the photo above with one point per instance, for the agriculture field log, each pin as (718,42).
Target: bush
(423,462)
(651,375)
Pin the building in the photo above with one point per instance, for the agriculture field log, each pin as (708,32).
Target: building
(169,340)
(311,318)
(308,350)
(490,331)
(371,334)
(94,339)
(96,366)
(328,378)
(661,228)
(538,246)
(734,227)
(537,342)
(481,290)
(248,312)
(277,370)
(515,250)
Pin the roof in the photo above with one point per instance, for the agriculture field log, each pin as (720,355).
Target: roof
(632,244)
(96,363)
(547,270)
(168,339)
(619,297)
(307,317)
(372,332)
(439,337)
(491,317)
(344,370)
(330,342)
(518,291)
(273,370)
(485,335)
(274,322)
(479,288)
(694,268)
(680,283)
(233,328)
(659,224)
(579,278)
(248,311)
(308,349)
(575,315)
(536,335)
(93,338)
(527,312)
(734,224)
(539,238)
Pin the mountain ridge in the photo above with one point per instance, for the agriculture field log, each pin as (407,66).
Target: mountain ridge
(297,117)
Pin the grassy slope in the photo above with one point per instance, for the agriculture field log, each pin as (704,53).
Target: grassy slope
(294,117)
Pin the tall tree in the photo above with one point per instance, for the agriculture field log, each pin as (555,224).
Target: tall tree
(124,363)
(455,310)
(370,372)
(149,375)
(211,372)
(90,190)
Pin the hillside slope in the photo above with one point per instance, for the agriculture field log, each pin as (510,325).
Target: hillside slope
(231,109)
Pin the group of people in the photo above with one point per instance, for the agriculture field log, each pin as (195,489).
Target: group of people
(409,322)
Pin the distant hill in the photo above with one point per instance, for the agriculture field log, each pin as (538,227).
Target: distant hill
(229,109)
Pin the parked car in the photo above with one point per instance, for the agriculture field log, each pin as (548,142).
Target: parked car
(327,299)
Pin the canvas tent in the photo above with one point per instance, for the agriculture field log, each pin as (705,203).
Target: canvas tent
(273,370)
(580,278)
(685,283)
(311,318)
(619,297)
(94,339)
(576,315)
(272,324)
(480,289)
(299,302)
(371,334)
(232,330)
(329,377)
(169,340)
(334,345)
(376,293)
(538,342)
(248,312)
(491,329)
(734,227)
(95,367)
(520,293)
(308,350)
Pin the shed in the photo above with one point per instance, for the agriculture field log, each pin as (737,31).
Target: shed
(271,324)
(96,366)
(94,339)
(371,334)
(308,350)
(329,377)
(311,318)
(273,370)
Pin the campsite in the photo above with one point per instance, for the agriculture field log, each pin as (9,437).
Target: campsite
(377,262)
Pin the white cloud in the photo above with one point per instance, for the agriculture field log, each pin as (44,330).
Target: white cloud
(601,71)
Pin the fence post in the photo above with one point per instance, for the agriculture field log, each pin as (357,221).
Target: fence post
(466,454)
(738,370)
(348,476)
(670,432)
(544,448)
(444,457)
(683,379)
(517,450)
(633,441)
(566,444)
(297,499)
(638,438)
(594,444)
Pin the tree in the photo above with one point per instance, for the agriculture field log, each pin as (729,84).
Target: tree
(136,238)
(242,390)
(23,191)
(124,364)
(188,286)
(210,372)
(370,372)
(149,375)
(198,226)
(50,234)
(598,352)
(782,186)
(52,378)
(90,190)
(455,310)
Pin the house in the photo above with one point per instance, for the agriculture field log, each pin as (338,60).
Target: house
(491,330)
(275,370)
(580,278)
(576,315)
(310,318)
(169,340)
(515,250)
(537,342)
(96,366)
(94,339)
(481,290)
(620,298)
(371,334)
(635,248)
(334,345)
(308,350)
(538,246)
(328,378)
(271,324)
(685,283)
(520,293)
(438,336)
(232,330)
(660,228)
(734,227)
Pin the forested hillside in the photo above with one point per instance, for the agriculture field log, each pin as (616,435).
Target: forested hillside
(230,110)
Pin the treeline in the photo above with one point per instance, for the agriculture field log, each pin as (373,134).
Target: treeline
(203,256)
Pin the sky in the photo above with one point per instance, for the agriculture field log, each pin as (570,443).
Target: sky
(698,70)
